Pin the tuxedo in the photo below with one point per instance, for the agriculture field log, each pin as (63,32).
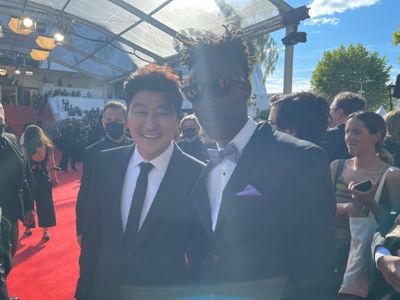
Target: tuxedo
(276,217)
(15,195)
(88,162)
(388,237)
(335,144)
(169,232)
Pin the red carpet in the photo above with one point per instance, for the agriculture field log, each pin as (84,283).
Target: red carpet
(49,270)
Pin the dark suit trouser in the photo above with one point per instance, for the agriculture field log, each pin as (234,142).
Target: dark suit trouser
(14,234)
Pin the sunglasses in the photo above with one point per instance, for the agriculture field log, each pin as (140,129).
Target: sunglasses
(218,87)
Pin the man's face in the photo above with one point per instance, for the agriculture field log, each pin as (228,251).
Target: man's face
(221,112)
(113,115)
(114,123)
(152,123)
(335,115)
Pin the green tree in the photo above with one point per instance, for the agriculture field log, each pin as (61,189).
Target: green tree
(396,39)
(349,69)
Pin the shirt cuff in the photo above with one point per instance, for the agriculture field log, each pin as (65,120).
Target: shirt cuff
(379,252)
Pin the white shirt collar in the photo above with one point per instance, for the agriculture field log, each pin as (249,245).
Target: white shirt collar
(243,136)
(160,162)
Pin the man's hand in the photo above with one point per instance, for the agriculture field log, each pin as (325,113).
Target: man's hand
(29,217)
(390,269)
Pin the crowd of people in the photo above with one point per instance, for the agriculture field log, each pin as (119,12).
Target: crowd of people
(303,206)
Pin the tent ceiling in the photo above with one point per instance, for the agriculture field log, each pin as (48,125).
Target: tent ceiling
(107,39)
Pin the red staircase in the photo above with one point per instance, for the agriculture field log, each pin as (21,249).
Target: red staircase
(17,116)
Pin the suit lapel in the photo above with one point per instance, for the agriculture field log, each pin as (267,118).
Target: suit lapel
(251,153)
(201,200)
(170,180)
(117,178)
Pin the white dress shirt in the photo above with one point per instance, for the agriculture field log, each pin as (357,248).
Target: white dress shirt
(221,173)
(156,175)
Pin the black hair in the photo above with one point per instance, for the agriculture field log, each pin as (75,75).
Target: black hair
(155,78)
(350,102)
(229,45)
(305,112)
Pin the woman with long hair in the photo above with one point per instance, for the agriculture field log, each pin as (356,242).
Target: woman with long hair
(358,213)
(38,148)
(392,139)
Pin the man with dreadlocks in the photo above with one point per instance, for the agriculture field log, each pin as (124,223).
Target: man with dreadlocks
(265,197)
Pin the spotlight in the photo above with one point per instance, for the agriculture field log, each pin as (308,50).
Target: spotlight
(27,23)
(17,72)
(29,73)
(59,37)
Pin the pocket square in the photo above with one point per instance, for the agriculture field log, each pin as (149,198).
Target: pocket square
(249,190)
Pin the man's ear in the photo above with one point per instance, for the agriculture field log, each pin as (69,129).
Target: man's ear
(340,113)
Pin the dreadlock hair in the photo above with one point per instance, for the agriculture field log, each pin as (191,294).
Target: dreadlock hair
(230,45)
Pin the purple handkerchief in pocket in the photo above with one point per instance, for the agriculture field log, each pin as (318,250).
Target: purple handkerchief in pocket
(249,190)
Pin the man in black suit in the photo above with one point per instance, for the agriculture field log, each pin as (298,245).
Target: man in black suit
(386,254)
(266,199)
(142,227)
(343,105)
(15,197)
(114,123)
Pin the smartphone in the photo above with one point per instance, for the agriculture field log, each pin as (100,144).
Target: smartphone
(363,186)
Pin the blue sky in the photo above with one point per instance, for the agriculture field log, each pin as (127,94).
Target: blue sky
(335,23)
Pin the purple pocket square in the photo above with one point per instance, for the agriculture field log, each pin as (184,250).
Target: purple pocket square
(249,190)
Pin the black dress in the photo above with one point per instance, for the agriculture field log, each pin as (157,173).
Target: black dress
(42,192)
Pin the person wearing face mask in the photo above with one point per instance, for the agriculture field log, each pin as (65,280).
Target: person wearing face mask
(191,142)
(114,124)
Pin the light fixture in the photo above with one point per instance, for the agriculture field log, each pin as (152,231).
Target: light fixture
(3,72)
(17,72)
(16,26)
(59,37)
(29,73)
(46,42)
(1,31)
(37,54)
(27,23)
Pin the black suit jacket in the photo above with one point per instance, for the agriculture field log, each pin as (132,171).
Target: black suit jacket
(388,236)
(169,232)
(287,230)
(89,159)
(15,196)
(334,143)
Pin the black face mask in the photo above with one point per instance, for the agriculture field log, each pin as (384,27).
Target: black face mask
(189,132)
(1,129)
(115,130)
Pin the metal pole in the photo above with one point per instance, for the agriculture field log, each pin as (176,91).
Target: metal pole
(288,70)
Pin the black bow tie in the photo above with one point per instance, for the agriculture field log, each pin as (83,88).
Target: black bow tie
(229,152)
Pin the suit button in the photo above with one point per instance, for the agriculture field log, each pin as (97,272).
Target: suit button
(215,258)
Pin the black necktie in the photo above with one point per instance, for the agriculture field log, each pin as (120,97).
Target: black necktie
(132,225)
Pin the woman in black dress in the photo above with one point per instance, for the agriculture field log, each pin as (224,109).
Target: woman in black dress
(38,148)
